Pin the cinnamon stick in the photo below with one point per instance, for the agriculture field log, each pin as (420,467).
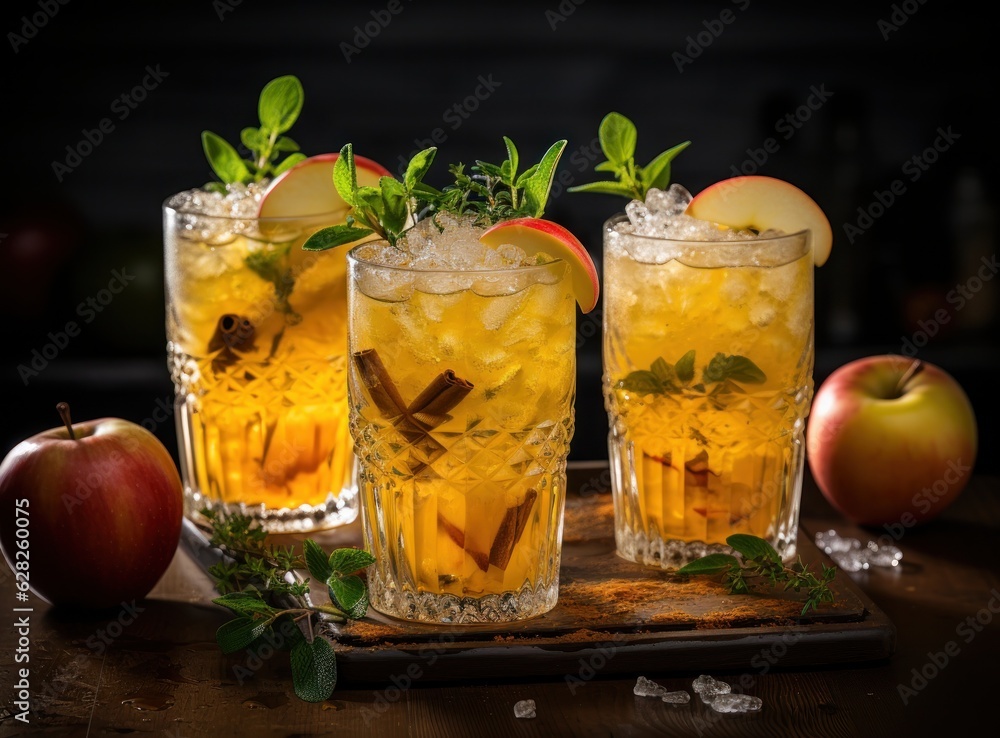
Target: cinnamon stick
(457,535)
(431,406)
(380,386)
(232,333)
(510,531)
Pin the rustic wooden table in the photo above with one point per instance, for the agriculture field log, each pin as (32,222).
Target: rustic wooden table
(155,668)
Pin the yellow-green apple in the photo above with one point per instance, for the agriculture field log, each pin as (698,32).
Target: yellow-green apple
(307,188)
(891,440)
(764,203)
(90,513)
(535,236)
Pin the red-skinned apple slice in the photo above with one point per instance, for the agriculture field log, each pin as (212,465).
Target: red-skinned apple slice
(764,203)
(307,188)
(535,235)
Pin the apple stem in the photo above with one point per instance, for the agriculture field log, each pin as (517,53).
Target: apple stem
(63,408)
(911,371)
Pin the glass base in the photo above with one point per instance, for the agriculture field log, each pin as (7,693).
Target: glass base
(449,609)
(337,510)
(673,553)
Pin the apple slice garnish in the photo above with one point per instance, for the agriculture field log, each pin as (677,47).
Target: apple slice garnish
(307,188)
(764,203)
(535,236)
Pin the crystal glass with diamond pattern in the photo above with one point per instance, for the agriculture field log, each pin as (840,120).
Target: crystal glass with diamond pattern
(708,361)
(461,386)
(257,345)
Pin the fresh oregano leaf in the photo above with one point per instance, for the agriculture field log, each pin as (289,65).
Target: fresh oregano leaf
(224,159)
(418,167)
(711,564)
(536,189)
(280,103)
(345,176)
(752,547)
(314,669)
(656,174)
(245,603)
(617,136)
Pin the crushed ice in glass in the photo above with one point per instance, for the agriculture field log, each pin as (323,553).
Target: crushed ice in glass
(524,709)
(648,688)
(662,215)
(850,555)
(708,688)
(735,703)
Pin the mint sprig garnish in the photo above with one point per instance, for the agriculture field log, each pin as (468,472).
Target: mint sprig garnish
(493,192)
(618,137)
(720,376)
(274,607)
(760,566)
(386,210)
(278,108)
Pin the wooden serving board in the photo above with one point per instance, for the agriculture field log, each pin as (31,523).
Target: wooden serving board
(615,616)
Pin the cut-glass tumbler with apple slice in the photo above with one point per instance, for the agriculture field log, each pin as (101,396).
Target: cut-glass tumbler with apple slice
(708,374)
(257,346)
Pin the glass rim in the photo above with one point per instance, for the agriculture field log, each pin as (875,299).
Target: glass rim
(762,241)
(353,258)
(167,208)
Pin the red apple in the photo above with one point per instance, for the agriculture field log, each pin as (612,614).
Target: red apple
(764,203)
(535,235)
(102,505)
(307,188)
(891,439)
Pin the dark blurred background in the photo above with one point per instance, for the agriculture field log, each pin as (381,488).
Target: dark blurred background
(876,109)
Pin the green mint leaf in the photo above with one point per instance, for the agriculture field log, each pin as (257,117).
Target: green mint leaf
(752,547)
(350,560)
(237,634)
(642,382)
(314,669)
(711,564)
(417,169)
(317,560)
(618,136)
(350,594)
(604,188)
(490,170)
(395,208)
(735,367)
(656,174)
(245,603)
(524,176)
(685,367)
(280,103)
(333,236)
(370,202)
(345,176)
(288,162)
(536,189)
(512,159)
(607,166)
(224,159)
